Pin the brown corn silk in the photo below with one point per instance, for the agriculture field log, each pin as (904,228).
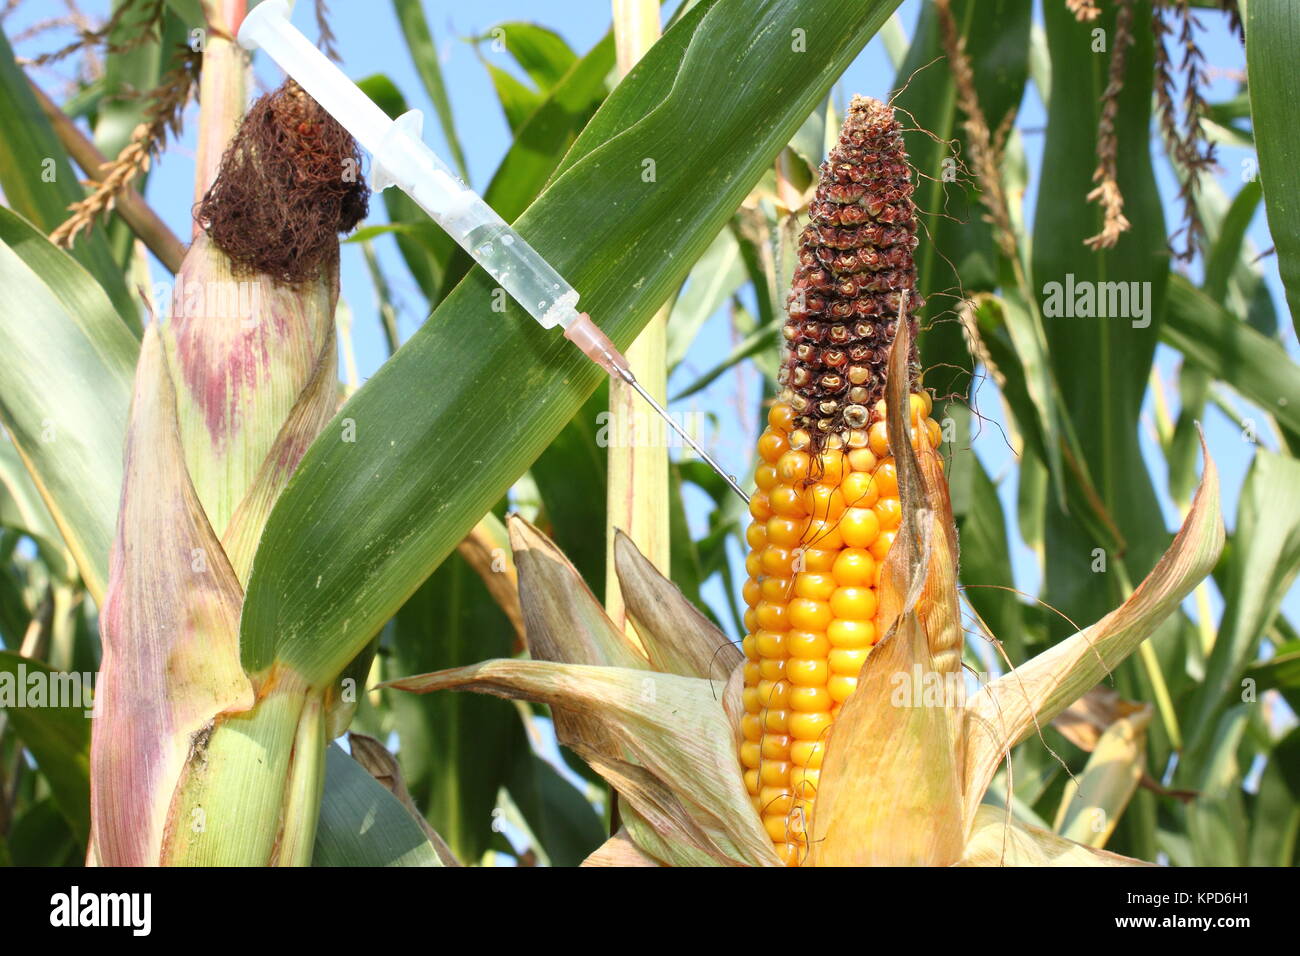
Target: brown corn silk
(828,506)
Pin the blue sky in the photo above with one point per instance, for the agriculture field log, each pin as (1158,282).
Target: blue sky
(369,40)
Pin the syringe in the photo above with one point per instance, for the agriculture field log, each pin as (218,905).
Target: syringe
(401,158)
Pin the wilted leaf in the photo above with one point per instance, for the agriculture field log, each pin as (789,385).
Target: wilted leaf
(1000,840)
(678,638)
(619,850)
(1011,707)
(382,765)
(673,728)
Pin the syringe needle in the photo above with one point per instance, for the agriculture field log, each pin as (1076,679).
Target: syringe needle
(627,376)
(595,344)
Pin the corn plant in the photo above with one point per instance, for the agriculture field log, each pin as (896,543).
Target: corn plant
(276,580)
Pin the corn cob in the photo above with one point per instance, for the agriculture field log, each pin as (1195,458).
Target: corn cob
(826,509)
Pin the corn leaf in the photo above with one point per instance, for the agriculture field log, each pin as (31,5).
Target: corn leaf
(66,364)
(560,817)
(959,253)
(564,621)
(56,733)
(1229,349)
(1010,708)
(677,637)
(1274,30)
(23,510)
(1276,819)
(382,765)
(362,824)
(1000,840)
(458,750)
(354,533)
(666,729)
(1100,364)
(424,54)
(1093,801)
(39,184)
(1262,565)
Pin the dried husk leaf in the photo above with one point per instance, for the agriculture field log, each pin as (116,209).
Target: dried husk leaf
(998,841)
(1093,802)
(666,747)
(1084,721)
(677,637)
(619,850)
(563,622)
(890,791)
(890,786)
(486,549)
(170,628)
(1009,709)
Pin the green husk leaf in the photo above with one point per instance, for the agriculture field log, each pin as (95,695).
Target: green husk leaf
(170,628)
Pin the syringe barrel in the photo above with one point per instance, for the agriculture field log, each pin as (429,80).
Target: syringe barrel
(516,266)
(401,158)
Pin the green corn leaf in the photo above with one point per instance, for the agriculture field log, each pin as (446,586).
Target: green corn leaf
(1274,30)
(66,367)
(1230,350)
(55,732)
(1100,364)
(39,183)
(363,522)
(424,53)
(1263,563)
(362,824)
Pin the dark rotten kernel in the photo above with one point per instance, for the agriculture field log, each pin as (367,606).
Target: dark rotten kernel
(855,263)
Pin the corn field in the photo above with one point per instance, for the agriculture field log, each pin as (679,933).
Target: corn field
(316,551)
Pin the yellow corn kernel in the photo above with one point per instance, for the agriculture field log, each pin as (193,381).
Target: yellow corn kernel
(776,590)
(775,747)
(807,645)
(822,527)
(860,526)
(814,585)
